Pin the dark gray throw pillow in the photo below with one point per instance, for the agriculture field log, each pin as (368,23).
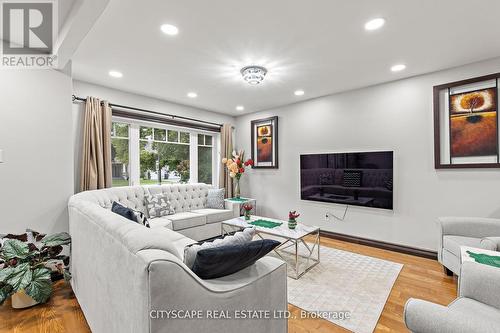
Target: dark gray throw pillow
(225,260)
(130,214)
(123,211)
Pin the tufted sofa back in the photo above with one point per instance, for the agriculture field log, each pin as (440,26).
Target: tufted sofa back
(130,196)
(184,197)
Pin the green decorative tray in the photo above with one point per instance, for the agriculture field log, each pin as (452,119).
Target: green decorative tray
(485,259)
(238,199)
(265,223)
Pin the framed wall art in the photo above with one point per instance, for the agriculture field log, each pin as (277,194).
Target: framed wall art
(265,143)
(466,123)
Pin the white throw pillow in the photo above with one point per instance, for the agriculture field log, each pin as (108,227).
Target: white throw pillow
(240,237)
(158,205)
(215,198)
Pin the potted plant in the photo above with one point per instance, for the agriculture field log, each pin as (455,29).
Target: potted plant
(248,211)
(292,219)
(27,269)
(236,167)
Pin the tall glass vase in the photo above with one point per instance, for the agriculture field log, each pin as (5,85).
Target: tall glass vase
(237,192)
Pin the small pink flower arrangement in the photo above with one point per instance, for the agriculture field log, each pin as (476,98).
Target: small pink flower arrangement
(248,210)
(292,219)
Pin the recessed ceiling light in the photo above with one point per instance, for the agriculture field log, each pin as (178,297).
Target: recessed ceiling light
(240,108)
(192,95)
(374,24)
(298,92)
(115,74)
(169,29)
(398,67)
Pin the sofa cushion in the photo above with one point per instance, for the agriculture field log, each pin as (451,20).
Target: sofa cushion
(225,260)
(186,220)
(453,243)
(160,222)
(215,215)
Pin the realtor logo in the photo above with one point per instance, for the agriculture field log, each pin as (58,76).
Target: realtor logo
(28,31)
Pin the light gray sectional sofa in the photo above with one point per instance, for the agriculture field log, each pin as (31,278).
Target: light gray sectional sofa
(124,273)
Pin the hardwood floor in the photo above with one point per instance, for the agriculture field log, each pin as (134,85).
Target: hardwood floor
(420,278)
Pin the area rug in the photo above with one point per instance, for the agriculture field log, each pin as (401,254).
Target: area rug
(345,283)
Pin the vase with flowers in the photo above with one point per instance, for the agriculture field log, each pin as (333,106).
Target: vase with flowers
(248,211)
(236,167)
(292,219)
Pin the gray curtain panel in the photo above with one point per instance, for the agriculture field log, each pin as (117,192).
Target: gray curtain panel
(226,144)
(96,148)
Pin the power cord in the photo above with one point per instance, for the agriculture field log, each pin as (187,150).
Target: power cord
(328,214)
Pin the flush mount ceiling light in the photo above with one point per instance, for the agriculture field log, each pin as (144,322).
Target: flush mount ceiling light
(299,92)
(398,67)
(374,24)
(169,29)
(253,74)
(240,108)
(115,74)
(192,95)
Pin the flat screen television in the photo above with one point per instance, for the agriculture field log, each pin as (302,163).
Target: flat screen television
(361,178)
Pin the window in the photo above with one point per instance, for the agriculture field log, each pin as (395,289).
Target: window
(120,154)
(164,157)
(146,153)
(205,153)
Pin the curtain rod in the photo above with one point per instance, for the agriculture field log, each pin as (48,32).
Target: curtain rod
(81,99)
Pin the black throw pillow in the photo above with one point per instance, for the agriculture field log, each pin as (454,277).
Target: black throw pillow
(130,214)
(225,260)
(123,211)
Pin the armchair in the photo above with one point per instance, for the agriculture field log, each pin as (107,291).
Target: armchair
(476,310)
(465,231)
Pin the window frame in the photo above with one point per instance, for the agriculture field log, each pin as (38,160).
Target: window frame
(134,147)
(114,136)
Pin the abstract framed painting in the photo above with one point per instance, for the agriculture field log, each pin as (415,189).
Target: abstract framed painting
(265,143)
(466,123)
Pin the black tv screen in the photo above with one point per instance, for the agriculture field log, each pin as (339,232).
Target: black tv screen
(361,179)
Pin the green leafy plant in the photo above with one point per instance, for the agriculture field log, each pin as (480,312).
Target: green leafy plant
(26,266)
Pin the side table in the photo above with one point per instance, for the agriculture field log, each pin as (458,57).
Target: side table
(482,256)
(242,201)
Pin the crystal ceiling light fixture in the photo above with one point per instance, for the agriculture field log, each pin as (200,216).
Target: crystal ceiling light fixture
(253,74)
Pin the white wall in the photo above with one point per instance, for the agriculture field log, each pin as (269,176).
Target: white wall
(394,116)
(36,179)
(84,89)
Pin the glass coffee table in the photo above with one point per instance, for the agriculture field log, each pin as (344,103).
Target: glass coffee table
(294,250)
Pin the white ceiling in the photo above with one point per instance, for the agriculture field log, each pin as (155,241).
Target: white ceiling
(319,46)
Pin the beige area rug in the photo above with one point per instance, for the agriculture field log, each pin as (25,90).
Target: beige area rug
(345,283)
